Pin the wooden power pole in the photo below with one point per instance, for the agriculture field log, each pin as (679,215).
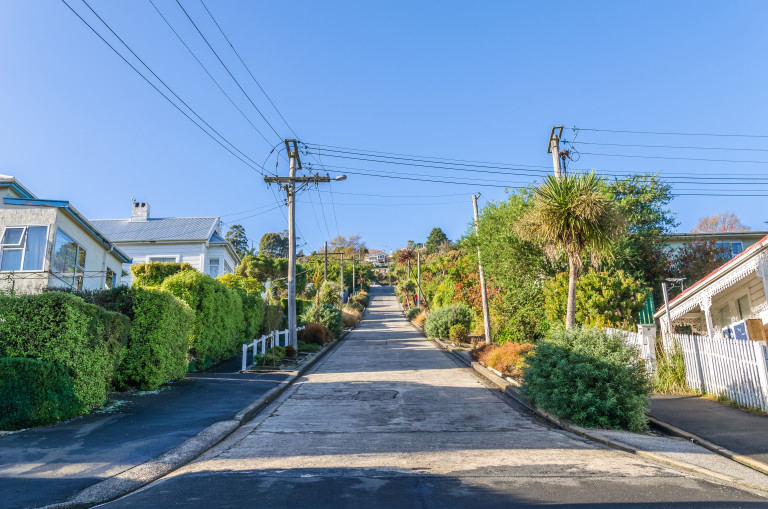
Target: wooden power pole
(486,317)
(554,148)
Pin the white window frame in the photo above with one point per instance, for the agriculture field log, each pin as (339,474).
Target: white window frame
(227,268)
(22,246)
(78,279)
(218,265)
(154,258)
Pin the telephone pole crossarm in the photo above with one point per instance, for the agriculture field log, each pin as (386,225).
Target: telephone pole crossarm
(287,180)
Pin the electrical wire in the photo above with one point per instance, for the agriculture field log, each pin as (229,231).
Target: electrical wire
(160,91)
(227,69)
(208,72)
(676,158)
(665,146)
(625,131)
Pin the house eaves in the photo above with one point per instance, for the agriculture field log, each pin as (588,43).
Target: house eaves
(74,215)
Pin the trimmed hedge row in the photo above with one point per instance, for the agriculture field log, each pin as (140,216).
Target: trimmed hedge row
(58,327)
(34,393)
(154,273)
(219,323)
(159,336)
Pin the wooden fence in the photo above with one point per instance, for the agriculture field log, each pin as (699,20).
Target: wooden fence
(645,342)
(734,368)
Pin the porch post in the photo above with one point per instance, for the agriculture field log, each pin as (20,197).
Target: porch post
(706,305)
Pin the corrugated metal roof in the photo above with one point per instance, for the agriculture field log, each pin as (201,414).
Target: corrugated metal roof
(161,228)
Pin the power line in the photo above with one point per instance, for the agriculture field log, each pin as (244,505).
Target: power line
(576,129)
(676,158)
(665,146)
(161,92)
(227,69)
(248,69)
(208,72)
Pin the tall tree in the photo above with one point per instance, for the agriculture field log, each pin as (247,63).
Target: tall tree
(722,222)
(572,214)
(405,257)
(236,236)
(274,245)
(435,240)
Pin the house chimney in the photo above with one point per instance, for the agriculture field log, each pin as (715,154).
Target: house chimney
(140,211)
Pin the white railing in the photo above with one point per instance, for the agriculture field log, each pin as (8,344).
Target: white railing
(644,340)
(734,368)
(264,343)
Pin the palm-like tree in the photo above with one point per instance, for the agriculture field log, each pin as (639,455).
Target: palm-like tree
(573,214)
(406,255)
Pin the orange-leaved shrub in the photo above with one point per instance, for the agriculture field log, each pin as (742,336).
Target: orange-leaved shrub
(508,358)
(316,334)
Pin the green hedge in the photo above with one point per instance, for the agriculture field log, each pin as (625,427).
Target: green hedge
(219,323)
(326,315)
(34,393)
(439,322)
(62,328)
(590,377)
(161,326)
(254,307)
(154,273)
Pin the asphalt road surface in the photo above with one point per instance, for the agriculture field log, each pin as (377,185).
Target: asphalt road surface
(390,421)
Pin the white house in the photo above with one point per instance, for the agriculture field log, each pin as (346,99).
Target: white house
(736,291)
(736,242)
(194,240)
(48,243)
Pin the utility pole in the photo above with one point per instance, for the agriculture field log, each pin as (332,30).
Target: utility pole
(554,148)
(342,278)
(418,275)
(353,274)
(486,317)
(292,147)
(325,273)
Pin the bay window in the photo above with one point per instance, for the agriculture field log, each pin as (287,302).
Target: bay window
(69,260)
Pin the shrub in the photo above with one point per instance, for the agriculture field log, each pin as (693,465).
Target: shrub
(508,358)
(670,371)
(254,307)
(301,306)
(326,315)
(271,357)
(602,299)
(439,321)
(353,304)
(330,293)
(420,319)
(309,347)
(458,333)
(158,342)
(362,298)
(590,377)
(350,317)
(62,328)
(290,351)
(219,321)
(413,312)
(154,273)
(34,392)
(315,334)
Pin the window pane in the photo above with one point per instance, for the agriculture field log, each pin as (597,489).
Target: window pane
(743,305)
(11,259)
(64,254)
(13,236)
(214,267)
(80,259)
(34,252)
(736,248)
(162,259)
(110,279)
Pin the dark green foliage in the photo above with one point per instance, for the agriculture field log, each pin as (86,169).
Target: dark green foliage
(315,334)
(154,273)
(458,333)
(236,236)
(413,312)
(161,326)
(326,315)
(272,357)
(273,317)
(274,245)
(589,377)
(254,307)
(436,239)
(219,322)
(362,298)
(34,392)
(62,328)
(309,347)
(301,306)
(440,321)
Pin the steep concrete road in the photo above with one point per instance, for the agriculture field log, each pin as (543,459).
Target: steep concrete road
(390,421)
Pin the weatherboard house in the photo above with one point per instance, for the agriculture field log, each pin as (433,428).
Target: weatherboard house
(49,244)
(194,240)
(734,292)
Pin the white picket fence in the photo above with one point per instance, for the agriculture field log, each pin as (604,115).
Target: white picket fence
(645,342)
(264,343)
(731,367)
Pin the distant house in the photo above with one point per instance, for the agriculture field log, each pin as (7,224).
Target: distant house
(194,240)
(736,291)
(736,242)
(49,244)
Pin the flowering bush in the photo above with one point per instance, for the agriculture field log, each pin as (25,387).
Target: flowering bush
(602,299)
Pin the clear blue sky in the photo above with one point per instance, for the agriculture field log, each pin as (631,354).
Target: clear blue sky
(464,80)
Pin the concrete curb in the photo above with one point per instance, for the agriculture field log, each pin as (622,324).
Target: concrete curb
(513,391)
(145,473)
